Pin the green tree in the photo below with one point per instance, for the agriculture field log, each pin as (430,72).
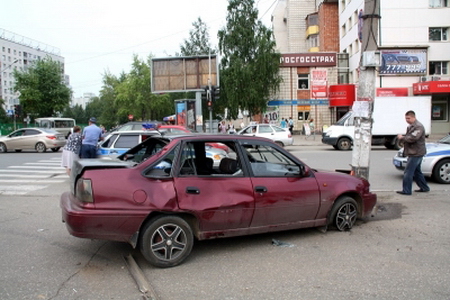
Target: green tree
(198,42)
(76,112)
(3,116)
(134,94)
(249,70)
(43,92)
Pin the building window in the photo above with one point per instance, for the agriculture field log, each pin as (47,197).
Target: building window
(438,3)
(438,33)
(438,68)
(303,81)
(313,41)
(439,111)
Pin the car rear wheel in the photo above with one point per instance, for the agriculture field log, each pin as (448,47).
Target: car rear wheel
(3,148)
(344,213)
(55,149)
(279,143)
(441,171)
(40,147)
(344,144)
(166,241)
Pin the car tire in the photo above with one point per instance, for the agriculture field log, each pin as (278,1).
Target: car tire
(40,147)
(398,144)
(344,213)
(441,171)
(344,144)
(166,241)
(3,148)
(55,149)
(279,143)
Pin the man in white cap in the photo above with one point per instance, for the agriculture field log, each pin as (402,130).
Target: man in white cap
(92,134)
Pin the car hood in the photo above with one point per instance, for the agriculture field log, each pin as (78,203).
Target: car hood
(437,148)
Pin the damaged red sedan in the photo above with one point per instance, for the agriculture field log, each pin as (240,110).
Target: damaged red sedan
(165,192)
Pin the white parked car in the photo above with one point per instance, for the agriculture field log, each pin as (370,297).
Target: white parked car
(435,164)
(281,136)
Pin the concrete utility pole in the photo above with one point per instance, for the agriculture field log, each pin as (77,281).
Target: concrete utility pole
(363,106)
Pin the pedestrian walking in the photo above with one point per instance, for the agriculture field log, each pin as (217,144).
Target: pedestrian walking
(291,125)
(71,150)
(92,134)
(414,149)
(222,127)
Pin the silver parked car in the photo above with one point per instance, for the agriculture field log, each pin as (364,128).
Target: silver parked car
(435,164)
(39,139)
(281,136)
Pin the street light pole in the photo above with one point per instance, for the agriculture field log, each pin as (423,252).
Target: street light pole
(363,107)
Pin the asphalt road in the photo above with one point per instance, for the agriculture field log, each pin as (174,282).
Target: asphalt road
(401,253)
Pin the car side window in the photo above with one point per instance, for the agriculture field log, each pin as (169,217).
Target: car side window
(110,141)
(267,161)
(31,132)
(265,129)
(127,141)
(202,159)
(163,167)
(18,133)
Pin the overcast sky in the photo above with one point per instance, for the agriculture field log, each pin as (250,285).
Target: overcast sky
(95,36)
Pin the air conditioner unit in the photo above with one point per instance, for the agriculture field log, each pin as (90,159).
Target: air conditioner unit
(435,78)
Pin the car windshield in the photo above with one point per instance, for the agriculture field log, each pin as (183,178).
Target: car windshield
(445,140)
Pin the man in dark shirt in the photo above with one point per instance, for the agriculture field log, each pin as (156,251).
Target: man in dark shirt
(414,149)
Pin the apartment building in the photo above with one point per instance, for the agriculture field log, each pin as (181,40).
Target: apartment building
(18,53)
(414,48)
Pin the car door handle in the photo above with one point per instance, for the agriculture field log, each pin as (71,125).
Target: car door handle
(260,189)
(192,190)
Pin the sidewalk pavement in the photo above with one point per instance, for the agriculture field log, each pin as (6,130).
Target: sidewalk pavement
(316,140)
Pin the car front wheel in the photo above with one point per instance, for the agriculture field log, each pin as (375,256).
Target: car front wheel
(40,147)
(344,213)
(344,144)
(441,171)
(166,241)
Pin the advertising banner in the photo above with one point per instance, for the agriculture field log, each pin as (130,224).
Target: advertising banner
(403,62)
(319,83)
(392,92)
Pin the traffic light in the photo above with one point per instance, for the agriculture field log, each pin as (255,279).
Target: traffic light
(205,95)
(18,110)
(215,93)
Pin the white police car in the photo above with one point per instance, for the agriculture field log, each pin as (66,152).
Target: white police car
(435,164)
(119,142)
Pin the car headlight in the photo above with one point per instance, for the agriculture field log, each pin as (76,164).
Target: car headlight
(83,190)
(400,153)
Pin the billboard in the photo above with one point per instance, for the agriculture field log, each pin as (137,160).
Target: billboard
(179,74)
(403,62)
(319,83)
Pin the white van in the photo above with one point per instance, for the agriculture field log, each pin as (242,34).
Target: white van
(62,125)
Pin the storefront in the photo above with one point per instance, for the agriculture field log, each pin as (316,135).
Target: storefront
(341,97)
(440,102)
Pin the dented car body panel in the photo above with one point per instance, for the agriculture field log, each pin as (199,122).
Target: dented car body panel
(259,187)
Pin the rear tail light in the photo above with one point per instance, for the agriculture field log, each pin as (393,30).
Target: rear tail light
(83,190)
(51,137)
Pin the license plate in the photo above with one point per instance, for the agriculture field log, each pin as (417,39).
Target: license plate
(397,163)
(61,138)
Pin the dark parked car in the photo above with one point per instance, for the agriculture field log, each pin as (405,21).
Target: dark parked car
(165,192)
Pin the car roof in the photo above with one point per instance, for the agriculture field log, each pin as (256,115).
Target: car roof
(136,132)
(212,137)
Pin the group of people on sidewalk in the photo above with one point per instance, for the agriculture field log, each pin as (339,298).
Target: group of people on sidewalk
(81,144)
